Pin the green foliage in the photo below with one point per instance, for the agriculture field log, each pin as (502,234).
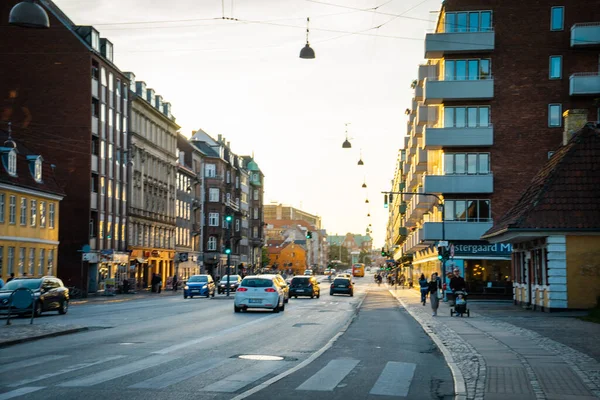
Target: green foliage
(334,254)
(265,260)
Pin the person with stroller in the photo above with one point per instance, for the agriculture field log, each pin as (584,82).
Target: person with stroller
(457,283)
(460,305)
(424,285)
(434,286)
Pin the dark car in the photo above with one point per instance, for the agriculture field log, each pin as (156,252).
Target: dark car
(199,285)
(341,286)
(233,281)
(305,286)
(49,291)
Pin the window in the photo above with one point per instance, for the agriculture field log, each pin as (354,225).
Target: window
(213,219)
(255,194)
(11,166)
(11,261)
(210,171)
(12,210)
(477,21)
(554,115)
(237,225)
(472,69)
(228,198)
(557,18)
(50,261)
(103,76)
(2,200)
(31,262)
(102,186)
(21,265)
(213,194)
(41,262)
(255,232)
(23,218)
(255,213)
(38,170)
(466,117)
(211,245)
(555,67)
(466,163)
(42,214)
(228,177)
(467,210)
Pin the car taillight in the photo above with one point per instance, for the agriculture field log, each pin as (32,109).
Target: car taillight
(332,285)
(270,290)
(242,289)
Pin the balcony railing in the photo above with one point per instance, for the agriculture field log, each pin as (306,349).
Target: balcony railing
(437,45)
(439,91)
(585,34)
(437,137)
(584,83)
(459,183)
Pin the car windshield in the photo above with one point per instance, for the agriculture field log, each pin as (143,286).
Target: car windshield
(232,278)
(341,282)
(197,278)
(257,282)
(32,284)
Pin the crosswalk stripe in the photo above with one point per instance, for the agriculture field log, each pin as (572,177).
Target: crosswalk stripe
(329,376)
(118,372)
(237,381)
(395,379)
(20,392)
(63,371)
(28,363)
(179,375)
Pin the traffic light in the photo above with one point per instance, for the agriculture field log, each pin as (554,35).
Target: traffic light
(441,252)
(309,235)
(227,247)
(383,252)
(228,218)
(391,198)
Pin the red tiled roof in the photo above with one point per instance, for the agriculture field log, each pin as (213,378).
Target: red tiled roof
(289,223)
(565,194)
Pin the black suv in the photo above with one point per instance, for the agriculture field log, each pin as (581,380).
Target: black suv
(49,291)
(305,286)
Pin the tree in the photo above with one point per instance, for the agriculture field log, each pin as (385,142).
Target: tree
(364,257)
(265,260)
(334,254)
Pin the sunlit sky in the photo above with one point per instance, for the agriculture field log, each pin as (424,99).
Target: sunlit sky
(243,79)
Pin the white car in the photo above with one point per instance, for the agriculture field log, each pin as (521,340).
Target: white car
(259,291)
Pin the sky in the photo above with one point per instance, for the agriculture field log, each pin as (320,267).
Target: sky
(242,77)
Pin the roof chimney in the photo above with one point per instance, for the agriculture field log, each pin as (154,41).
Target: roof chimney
(574,121)
(220,138)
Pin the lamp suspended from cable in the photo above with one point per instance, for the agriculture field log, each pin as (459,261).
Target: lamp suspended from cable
(307,52)
(367,200)
(369,214)
(346,144)
(29,14)
(360,161)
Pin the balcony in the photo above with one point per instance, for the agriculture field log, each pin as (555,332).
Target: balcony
(421,160)
(427,71)
(584,84)
(585,34)
(459,184)
(94,163)
(436,138)
(437,91)
(426,115)
(432,231)
(418,93)
(438,45)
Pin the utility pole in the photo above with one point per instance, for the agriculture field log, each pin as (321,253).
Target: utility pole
(228,219)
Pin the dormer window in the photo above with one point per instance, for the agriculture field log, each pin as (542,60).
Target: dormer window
(38,170)
(11,163)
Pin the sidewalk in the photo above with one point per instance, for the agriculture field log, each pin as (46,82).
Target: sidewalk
(491,358)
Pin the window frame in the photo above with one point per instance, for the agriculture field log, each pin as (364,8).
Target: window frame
(213,219)
(550,106)
(23,214)
(211,243)
(562,17)
(211,195)
(2,205)
(560,67)
(12,209)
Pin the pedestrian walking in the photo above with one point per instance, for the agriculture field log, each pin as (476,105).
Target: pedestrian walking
(175,282)
(159,283)
(424,286)
(434,286)
(457,284)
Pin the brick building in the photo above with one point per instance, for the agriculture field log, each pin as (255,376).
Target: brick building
(486,115)
(66,99)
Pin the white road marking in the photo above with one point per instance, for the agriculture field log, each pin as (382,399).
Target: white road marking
(180,375)
(235,382)
(20,392)
(395,379)
(28,363)
(189,343)
(329,376)
(63,371)
(118,372)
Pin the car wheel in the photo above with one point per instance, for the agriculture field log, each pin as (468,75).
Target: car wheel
(185,296)
(295,297)
(318,295)
(64,307)
(236,309)
(276,309)
(282,308)
(351,294)
(312,295)
(213,295)
(331,293)
(191,296)
(286,299)
(37,310)
(207,294)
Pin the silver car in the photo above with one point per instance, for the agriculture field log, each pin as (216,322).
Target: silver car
(259,291)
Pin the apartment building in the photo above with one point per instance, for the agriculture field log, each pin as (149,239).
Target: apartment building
(256,213)
(276,211)
(485,116)
(68,100)
(152,156)
(29,212)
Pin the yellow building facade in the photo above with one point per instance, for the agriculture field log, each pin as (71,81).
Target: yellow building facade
(29,215)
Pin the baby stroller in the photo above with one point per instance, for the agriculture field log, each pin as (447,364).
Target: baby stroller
(458,308)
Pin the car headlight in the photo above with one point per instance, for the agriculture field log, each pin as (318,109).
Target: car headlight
(186,287)
(204,287)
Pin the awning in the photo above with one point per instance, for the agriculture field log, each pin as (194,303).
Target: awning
(141,260)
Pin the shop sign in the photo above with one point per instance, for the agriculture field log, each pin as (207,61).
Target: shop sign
(478,248)
(106,255)
(155,253)
(121,258)
(90,257)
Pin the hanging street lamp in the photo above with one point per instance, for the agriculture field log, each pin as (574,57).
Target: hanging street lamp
(29,14)
(307,52)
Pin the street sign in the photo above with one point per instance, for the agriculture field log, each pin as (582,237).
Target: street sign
(443,243)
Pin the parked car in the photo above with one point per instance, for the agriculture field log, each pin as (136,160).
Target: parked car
(50,295)
(305,286)
(199,285)
(308,272)
(344,275)
(233,281)
(259,291)
(284,286)
(341,286)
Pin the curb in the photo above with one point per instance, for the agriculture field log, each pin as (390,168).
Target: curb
(460,389)
(44,336)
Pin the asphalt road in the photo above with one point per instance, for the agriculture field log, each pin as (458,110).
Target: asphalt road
(171,348)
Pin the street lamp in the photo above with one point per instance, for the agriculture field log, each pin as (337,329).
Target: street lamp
(29,14)
(346,144)
(360,161)
(307,52)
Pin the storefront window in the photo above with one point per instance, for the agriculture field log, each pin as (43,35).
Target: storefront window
(490,277)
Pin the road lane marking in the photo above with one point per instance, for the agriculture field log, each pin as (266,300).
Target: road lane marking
(193,342)
(395,379)
(64,371)
(28,363)
(329,376)
(20,392)
(118,372)
(235,382)
(180,375)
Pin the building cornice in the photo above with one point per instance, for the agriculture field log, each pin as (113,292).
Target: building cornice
(32,192)
(29,240)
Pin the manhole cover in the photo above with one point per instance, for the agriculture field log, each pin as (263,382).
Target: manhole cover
(259,357)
